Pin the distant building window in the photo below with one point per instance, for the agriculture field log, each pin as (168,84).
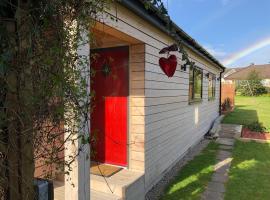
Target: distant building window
(211,86)
(195,84)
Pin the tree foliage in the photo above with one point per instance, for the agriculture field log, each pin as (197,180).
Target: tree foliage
(158,4)
(44,102)
(252,86)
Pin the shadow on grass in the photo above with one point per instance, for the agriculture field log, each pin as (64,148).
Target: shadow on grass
(249,176)
(241,116)
(194,177)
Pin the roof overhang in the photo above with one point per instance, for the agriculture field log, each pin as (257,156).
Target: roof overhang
(152,16)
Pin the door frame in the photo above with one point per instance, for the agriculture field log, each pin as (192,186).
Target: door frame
(127,47)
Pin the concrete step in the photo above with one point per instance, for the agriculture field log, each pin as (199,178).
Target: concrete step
(124,184)
(59,193)
(96,195)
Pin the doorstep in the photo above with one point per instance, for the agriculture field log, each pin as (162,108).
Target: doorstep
(124,185)
(59,193)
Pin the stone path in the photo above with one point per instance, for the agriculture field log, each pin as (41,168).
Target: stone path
(216,187)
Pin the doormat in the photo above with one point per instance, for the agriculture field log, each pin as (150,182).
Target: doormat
(103,169)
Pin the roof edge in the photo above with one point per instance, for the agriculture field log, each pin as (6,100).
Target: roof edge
(162,22)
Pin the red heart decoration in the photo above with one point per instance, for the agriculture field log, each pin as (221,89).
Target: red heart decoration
(168,65)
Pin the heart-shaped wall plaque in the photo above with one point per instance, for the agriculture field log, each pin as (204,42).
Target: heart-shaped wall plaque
(168,65)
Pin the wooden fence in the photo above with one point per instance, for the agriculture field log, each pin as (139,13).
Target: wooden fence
(228,91)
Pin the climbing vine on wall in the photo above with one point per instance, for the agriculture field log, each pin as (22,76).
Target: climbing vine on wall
(158,7)
(43,87)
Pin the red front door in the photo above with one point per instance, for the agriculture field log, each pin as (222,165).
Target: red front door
(109,114)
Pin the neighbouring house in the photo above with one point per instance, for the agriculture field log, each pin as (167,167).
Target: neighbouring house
(145,122)
(228,72)
(241,74)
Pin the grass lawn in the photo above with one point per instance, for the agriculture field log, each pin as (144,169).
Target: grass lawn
(250,109)
(249,176)
(194,176)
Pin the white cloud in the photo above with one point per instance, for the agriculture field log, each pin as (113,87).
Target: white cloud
(217,52)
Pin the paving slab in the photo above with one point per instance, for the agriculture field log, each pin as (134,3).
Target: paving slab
(210,195)
(216,186)
(226,135)
(223,156)
(225,141)
(226,147)
(226,163)
(218,177)
(225,153)
(223,170)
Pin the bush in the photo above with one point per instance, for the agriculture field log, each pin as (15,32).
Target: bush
(253,86)
(226,105)
(257,126)
(266,95)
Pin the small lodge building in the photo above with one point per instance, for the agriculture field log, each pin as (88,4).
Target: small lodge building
(146,121)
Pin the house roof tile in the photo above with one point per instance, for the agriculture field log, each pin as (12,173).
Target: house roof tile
(243,73)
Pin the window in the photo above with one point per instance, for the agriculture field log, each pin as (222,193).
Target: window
(211,86)
(195,84)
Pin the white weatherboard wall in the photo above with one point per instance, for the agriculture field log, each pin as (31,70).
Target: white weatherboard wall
(172,126)
(136,108)
(169,124)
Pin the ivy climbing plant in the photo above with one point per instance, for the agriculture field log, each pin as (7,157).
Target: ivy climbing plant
(43,97)
(158,7)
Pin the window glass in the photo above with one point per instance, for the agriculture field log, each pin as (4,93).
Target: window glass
(195,84)
(191,82)
(211,86)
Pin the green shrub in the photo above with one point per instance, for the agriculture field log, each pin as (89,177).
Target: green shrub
(253,86)
(266,95)
(226,105)
(256,126)
(268,91)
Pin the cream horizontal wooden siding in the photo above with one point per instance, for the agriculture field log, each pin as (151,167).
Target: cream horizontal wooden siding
(161,117)
(136,146)
(172,126)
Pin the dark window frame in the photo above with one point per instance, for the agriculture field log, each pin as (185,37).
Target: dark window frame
(212,86)
(192,80)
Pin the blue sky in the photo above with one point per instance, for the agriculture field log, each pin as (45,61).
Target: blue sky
(236,32)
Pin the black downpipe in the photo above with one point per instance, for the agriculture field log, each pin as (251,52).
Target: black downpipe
(220,88)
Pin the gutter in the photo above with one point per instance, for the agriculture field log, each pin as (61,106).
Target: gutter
(166,25)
